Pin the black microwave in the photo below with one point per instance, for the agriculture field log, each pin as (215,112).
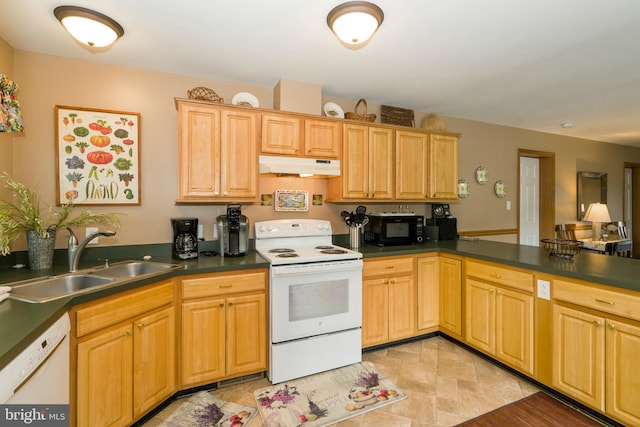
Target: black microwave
(386,229)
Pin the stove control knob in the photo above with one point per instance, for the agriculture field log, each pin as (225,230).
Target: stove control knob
(261,229)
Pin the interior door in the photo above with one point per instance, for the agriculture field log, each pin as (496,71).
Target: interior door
(529,201)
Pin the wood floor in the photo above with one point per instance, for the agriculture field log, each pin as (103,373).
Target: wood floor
(537,410)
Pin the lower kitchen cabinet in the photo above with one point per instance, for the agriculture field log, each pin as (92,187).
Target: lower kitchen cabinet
(450,301)
(388,300)
(428,292)
(499,313)
(595,352)
(224,326)
(125,355)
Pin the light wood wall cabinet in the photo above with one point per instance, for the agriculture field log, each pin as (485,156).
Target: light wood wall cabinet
(291,135)
(367,165)
(443,166)
(125,355)
(450,301)
(412,165)
(499,313)
(596,343)
(218,154)
(224,326)
(388,300)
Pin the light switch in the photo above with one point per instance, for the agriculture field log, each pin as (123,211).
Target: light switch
(544,289)
(508,205)
(91,230)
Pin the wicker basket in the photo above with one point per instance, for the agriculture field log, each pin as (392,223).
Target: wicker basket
(397,116)
(561,248)
(433,122)
(204,94)
(361,117)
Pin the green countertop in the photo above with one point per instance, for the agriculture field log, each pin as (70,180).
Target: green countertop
(22,322)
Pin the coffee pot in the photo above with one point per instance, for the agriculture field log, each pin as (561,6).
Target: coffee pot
(185,238)
(233,231)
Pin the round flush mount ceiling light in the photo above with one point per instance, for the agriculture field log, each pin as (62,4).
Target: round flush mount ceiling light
(89,27)
(355,22)
(566,125)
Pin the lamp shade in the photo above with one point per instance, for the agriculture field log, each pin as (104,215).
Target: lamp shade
(89,27)
(597,212)
(355,22)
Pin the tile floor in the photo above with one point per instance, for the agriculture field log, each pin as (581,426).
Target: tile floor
(445,384)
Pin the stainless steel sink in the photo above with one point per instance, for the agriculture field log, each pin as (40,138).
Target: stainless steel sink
(50,288)
(54,287)
(133,269)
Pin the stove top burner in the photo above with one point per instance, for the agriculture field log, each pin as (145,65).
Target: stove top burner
(287,255)
(281,250)
(324,247)
(333,251)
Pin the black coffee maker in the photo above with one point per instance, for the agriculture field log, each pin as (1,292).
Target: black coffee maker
(185,238)
(233,231)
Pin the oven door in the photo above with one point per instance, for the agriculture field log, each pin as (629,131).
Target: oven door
(314,299)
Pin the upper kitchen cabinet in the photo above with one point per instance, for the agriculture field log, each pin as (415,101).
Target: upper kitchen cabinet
(218,158)
(443,166)
(293,135)
(412,165)
(367,165)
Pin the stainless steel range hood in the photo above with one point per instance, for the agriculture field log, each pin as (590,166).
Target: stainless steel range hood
(301,166)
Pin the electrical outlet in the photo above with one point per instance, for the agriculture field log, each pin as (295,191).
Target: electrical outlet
(508,205)
(200,232)
(544,289)
(91,230)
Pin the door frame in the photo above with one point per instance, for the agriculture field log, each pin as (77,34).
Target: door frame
(635,214)
(547,185)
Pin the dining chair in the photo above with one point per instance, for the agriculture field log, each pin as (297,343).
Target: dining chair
(566,231)
(621,249)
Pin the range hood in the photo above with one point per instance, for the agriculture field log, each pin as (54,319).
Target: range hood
(302,166)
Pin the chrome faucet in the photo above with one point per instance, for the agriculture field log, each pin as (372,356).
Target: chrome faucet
(75,249)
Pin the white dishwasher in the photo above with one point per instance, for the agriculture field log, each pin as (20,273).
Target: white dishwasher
(40,374)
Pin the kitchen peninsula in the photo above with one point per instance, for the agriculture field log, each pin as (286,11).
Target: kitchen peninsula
(489,273)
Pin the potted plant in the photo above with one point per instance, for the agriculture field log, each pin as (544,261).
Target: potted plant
(24,215)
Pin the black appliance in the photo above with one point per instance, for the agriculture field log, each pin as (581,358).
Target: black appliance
(233,231)
(440,210)
(386,229)
(447,227)
(185,238)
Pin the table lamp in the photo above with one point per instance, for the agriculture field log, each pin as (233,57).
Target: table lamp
(597,213)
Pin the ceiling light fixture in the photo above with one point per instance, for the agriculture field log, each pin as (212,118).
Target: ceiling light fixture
(89,27)
(566,125)
(355,22)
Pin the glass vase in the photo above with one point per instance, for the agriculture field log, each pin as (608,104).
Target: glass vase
(40,249)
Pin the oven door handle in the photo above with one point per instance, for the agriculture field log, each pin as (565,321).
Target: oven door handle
(320,267)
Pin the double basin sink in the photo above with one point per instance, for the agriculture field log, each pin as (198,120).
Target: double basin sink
(54,287)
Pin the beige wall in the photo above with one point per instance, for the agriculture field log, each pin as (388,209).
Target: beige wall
(46,81)
(6,139)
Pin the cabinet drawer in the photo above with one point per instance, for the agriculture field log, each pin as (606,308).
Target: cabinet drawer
(114,310)
(220,284)
(500,275)
(388,266)
(609,301)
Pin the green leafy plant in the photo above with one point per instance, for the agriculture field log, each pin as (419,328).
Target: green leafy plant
(24,214)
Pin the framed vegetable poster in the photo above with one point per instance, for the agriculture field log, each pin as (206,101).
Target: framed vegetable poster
(98,156)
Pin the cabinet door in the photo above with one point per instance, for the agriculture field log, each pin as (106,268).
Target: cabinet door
(199,151)
(280,134)
(402,312)
(322,138)
(480,330)
(623,372)
(246,334)
(578,355)
(238,155)
(443,166)
(380,168)
(355,166)
(514,329)
(105,378)
(412,155)
(450,277)
(154,362)
(203,341)
(375,312)
(428,292)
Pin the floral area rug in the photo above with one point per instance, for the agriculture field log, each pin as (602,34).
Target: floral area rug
(326,398)
(202,410)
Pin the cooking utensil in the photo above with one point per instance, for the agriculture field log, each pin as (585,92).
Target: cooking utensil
(360,214)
